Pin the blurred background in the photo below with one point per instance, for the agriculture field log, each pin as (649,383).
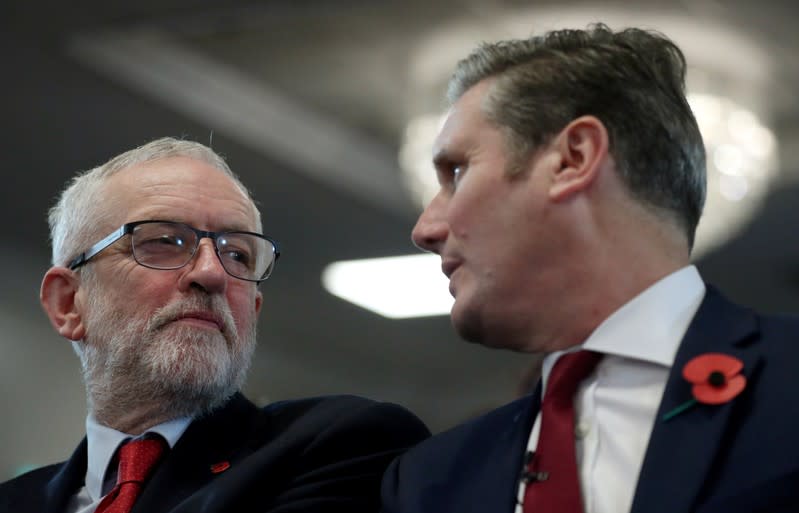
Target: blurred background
(326,109)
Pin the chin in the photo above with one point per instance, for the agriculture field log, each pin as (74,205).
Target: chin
(475,326)
(467,323)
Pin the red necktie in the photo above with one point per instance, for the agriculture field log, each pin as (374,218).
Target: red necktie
(137,459)
(553,483)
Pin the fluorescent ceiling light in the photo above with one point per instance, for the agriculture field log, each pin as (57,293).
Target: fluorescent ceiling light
(394,287)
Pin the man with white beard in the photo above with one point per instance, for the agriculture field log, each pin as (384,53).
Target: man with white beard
(157,257)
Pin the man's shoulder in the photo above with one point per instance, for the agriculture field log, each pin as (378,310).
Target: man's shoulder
(779,326)
(338,408)
(776,350)
(772,333)
(505,426)
(720,302)
(341,439)
(325,404)
(316,453)
(19,490)
(347,419)
(473,463)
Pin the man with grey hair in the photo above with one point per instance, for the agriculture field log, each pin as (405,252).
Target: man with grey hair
(157,259)
(572,179)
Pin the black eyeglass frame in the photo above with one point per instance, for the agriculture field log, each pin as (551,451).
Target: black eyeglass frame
(127,229)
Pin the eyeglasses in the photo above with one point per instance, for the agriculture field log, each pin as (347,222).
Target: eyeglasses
(170,245)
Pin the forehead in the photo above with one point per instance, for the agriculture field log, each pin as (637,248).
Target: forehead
(181,189)
(465,120)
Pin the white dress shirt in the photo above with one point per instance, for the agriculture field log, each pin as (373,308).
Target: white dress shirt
(615,406)
(103,443)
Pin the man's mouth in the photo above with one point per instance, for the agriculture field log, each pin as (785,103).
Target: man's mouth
(448,266)
(207,320)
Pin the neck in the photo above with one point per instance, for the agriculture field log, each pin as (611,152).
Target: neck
(617,257)
(127,411)
(131,420)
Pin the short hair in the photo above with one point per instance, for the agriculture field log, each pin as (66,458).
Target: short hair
(632,80)
(73,218)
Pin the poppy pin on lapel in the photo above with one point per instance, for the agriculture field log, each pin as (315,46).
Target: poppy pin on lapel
(218,468)
(716,379)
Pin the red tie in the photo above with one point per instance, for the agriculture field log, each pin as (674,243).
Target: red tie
(553,484)
(137,459)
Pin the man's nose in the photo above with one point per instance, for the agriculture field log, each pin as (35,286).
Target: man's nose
(431,228)
(205,270)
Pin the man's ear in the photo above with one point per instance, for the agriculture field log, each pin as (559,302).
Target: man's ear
(259,299)
(583,147)
(58,297)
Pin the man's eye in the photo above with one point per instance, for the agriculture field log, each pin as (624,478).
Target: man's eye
(449,173)
(237,256)
(163,240)
(457,174)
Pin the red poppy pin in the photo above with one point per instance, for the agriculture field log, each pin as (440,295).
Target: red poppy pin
(218,468)
(716,379)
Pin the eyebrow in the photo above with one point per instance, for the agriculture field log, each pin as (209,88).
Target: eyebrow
(235,226)
(442,158)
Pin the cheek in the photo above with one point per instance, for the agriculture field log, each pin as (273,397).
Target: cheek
(476,207)
(150,296)
(151,289)
(460,217)
(242,305)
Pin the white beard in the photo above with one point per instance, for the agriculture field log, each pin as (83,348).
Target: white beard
(169,370)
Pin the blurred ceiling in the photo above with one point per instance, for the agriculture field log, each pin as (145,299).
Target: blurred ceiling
(308,102)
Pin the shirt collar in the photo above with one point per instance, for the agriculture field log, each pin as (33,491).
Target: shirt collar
(650,326)
(103,442)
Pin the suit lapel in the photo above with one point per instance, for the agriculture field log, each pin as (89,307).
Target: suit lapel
(681,451)
(217,438)
(66,482)
(489,470)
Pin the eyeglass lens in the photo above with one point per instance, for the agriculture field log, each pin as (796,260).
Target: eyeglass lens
(172,245)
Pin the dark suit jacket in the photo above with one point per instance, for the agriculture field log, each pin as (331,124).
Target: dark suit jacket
(741,456)
(320,454)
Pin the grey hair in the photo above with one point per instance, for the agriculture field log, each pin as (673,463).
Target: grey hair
(79,206)
(632,80)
